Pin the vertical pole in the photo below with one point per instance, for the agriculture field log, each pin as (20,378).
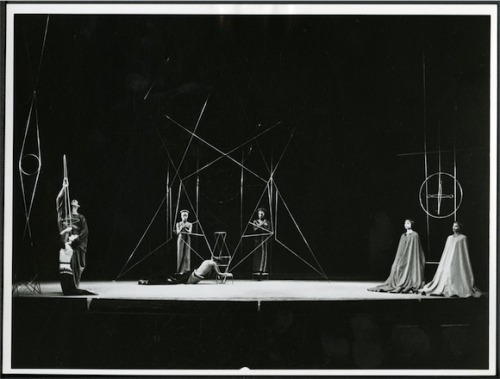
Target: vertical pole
(171,220)
(197,188)
(270,198)
(425,160)
(197,198)
(241,197)
(275,227)
(167,207)
(455,181)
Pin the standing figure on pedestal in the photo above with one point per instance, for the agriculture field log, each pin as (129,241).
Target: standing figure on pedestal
(454,275)
(407,271)
(261,227)
(183,230)
(74,233)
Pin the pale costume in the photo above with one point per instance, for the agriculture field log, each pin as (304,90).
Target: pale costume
(407,271)
(454,275)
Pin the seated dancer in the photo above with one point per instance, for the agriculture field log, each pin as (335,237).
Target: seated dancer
(183,230)
(192,277)
(407,271)
(74,233)
(262,229)
(454,275)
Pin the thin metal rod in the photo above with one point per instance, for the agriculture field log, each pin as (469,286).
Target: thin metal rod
(41,53)
(177,203)
(262,156)
(181,185)
(170,219)
(455,181)
(283,153)
(197,194)
(298,228)
(194,133)
(302,259)
(439,151)
(39,157)
(247,120)
(241,197)
(35,186)
(425,156)
(257,235)
(216,149)
(270,200)
(197,189)
(250,219)
(196,215)
(26,208)
(275,214)
(439,174)
(167,220)
(155,80)
(151,253)
(143,235)
(67,199)
(141,260)
(231,151)
(178,200)
(176,170)
(28,58)
(250,253)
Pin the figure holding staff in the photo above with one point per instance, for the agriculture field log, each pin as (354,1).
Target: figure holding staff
(73,232)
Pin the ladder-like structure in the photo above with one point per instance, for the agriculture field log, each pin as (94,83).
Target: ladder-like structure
(221,254)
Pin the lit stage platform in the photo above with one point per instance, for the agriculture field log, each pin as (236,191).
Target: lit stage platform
(275,324)
(237,290)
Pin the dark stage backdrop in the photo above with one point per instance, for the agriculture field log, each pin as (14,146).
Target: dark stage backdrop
(348,89)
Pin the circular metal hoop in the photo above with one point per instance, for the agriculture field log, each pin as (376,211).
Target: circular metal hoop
(458,186)
(33,172)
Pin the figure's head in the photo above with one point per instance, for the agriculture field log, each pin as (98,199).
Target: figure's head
(74,205)
(409,224)
(184,215)
(261,212)
(457,227)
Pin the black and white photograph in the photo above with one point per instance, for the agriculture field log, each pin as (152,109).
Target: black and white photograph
(250,189)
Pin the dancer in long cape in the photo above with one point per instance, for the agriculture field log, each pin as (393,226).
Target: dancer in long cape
(454,275)
(407,271)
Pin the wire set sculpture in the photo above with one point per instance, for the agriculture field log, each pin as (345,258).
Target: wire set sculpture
(270,195)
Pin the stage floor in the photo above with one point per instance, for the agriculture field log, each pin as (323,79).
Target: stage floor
(245,324)
(240,290)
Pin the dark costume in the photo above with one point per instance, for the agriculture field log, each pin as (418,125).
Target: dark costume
(72,253)
(187,277)
(183,246)
(454,275)
(407,271)
(207,268)
(261,254)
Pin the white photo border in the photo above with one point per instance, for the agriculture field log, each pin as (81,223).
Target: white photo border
(13,9)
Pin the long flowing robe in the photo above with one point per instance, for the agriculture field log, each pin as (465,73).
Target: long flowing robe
(454,275)
(407,271)
(261,245)
(183,246)
(72,254)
